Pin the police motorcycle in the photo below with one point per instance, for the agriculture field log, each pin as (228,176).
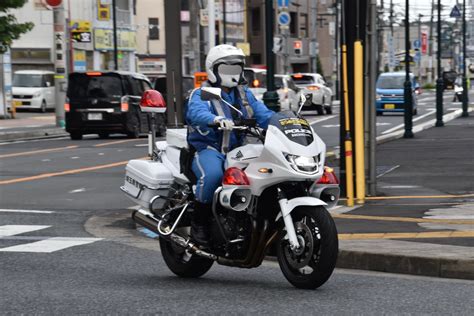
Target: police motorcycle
(274,196)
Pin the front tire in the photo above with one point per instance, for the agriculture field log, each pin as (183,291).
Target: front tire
(181,263)
(311,266)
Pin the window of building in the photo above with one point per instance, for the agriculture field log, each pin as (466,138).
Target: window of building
(153,29)
(256,21)
(294,24)
(303,25)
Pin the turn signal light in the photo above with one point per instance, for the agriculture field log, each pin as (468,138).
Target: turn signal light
(329,177)
(314,88)
(235,176)
(67,107)
(94,73)
(256,83)
(124,107)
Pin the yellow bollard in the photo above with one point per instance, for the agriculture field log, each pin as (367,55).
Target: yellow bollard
(359,121)
(347,127)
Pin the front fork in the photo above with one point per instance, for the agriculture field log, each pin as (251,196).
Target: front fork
(286,214)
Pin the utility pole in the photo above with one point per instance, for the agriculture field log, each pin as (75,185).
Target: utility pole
(439,81)
(211,13)
(60,67)
(314,38)
(372,127)
(465,95)
(419,48)
(336,47)
(408,115)
(431,63)
(194,35)
(224,22)
(174,70)
(114,12)
(270,97)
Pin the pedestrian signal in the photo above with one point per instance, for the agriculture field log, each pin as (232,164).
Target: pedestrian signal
(298,47)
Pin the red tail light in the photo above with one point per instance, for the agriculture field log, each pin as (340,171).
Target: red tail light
(152,101)
(124,106)
(94,73)
(67,107)
(235,176)
(329,177)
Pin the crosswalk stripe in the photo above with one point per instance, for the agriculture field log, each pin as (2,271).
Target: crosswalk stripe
(11,230)
(50,245)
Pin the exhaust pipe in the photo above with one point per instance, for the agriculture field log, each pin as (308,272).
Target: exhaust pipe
(148,220)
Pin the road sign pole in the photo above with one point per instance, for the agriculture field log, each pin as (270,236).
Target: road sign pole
(61,73)
(270,97)
(439,81)
(465,95)
(408,115)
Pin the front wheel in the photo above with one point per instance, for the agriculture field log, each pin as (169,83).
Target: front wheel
(311,265)
(181,263)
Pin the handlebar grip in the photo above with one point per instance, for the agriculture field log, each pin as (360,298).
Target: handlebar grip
(213,125)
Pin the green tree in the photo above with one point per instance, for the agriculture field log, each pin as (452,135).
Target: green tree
(10,30)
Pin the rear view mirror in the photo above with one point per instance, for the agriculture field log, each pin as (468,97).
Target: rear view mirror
(152,101)
(208,93)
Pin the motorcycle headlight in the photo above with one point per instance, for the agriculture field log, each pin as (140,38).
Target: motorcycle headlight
(303,164)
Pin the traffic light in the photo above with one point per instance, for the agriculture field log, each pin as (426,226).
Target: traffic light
(277,44)
(298,47)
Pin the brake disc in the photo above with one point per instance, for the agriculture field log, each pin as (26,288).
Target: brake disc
(301,256)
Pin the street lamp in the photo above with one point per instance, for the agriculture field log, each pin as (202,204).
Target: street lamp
(407,86)
(439,81)
(465,95)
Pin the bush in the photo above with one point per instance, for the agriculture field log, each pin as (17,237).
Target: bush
(428,86)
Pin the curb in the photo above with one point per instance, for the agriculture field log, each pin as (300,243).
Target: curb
(426,266)
(35,134)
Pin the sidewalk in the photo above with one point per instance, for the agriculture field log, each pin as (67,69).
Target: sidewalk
(422,220)
(30,126)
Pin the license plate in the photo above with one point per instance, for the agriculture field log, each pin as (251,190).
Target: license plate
(17,103)
(389,106)
(94,116)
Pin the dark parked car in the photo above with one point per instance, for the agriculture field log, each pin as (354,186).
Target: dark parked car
(107,102)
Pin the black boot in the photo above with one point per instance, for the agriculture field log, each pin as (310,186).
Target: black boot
(200,224)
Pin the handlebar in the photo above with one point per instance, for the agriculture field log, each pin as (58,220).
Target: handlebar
(240,124)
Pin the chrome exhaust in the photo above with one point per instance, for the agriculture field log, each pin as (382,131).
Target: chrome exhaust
(149,221)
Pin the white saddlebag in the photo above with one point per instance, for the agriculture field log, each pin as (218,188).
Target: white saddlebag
(145,179)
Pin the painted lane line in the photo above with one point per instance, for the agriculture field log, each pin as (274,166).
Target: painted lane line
(447,196)
(37,151)
(117,142)
(318,120)
(400,186)
(78,190)
(388,171)
(11,230)
(438,234)
(402,125)
(25,211)
(405,219)
(66,172)
(33,140)
(50,245)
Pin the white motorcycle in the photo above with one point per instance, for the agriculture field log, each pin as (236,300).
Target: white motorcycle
(274,197)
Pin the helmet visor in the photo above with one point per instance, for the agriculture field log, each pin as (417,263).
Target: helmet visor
(229,70)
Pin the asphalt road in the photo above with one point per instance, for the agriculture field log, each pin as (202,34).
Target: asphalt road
(67,246)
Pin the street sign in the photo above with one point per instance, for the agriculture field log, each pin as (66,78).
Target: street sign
(455,12)
(283,3)
(424,43)
(284,18)
(416,44)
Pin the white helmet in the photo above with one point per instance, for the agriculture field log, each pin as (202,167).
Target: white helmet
(225,65)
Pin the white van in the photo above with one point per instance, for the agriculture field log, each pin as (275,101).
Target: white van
(33,89)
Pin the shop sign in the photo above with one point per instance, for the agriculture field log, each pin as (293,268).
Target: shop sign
(104,39)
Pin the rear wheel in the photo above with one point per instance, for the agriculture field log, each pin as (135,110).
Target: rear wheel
(311,265)
(182,263)
(76,136)
(320,109)
(43,107)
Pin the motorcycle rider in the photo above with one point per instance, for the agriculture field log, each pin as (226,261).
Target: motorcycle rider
(224,67)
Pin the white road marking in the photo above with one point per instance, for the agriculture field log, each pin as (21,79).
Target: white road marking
(141,145)
(75,157)
(402,125)
(389,170)
(11,230)
(25,211)
(400,187)
(50,245)
(78,190)
(320,119)
(46,160)
(333,125)
(101,154)
(383,124)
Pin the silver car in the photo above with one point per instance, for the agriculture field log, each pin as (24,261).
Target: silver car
(315,85)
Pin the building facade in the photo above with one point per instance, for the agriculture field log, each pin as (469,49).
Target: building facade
(89,37)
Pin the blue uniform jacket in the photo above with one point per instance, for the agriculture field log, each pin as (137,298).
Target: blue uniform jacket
(200,113)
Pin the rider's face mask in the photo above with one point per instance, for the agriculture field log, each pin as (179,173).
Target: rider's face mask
(229,74)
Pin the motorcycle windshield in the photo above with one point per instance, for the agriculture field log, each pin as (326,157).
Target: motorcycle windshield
(295,128)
